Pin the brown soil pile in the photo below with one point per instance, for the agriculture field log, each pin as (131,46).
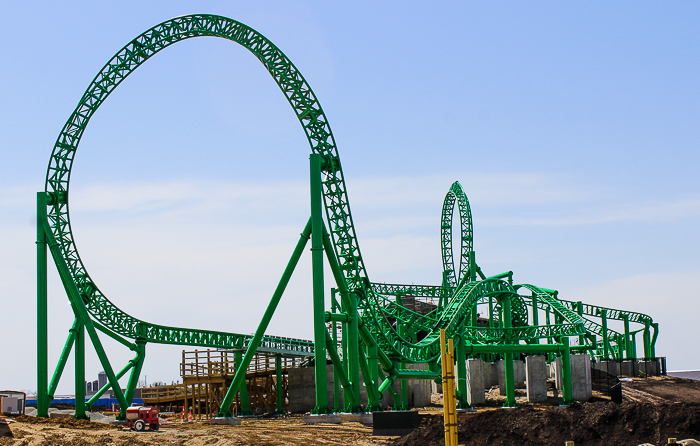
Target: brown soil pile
(662,388)
(65,423)
(587,424)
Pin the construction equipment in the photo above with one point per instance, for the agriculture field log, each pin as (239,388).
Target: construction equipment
(139,417)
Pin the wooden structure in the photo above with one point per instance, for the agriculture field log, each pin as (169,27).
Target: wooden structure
(207,374)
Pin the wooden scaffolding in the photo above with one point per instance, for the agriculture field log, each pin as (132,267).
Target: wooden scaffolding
(207,375)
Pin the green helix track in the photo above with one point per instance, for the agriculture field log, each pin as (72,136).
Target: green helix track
(391,333)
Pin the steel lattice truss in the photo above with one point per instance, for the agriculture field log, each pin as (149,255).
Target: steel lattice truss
(463,289)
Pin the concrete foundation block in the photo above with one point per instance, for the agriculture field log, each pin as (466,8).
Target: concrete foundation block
(333,418)
(536,375)
(581,383)
(490,374)
(60,415)
(227,421)
(627,368)
(519,374)
(475,382)
(501,377)
(556,372)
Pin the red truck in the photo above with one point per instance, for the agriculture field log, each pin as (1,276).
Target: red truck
(137,418)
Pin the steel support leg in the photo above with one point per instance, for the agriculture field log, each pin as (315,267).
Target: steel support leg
(566,372)
(579,310)
(42,337)
(628,345)
(336,384)
(245,401)
(82,314)
(462,372)
(63,359)
(239,377)
(80,373)
(318,290)
(279,385)
(655,326)
(136,371)
(606,341)
(509,372)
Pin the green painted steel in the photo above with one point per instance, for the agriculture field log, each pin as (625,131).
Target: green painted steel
(382,325)
(454,276)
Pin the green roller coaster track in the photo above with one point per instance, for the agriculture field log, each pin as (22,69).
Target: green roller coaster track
(381,333)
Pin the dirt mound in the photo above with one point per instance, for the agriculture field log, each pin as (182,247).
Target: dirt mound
(66,423)
(587,424)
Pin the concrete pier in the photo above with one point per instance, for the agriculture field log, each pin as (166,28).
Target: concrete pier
(302,390)
(536,377)
(555,371)
(519,373)
(581,384)
(627,368)
(501,366)
(490,374)
(475,382)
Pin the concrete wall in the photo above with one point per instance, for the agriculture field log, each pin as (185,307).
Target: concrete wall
(302,390)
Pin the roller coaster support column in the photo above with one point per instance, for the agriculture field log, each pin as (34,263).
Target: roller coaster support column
(403,404)
(628,344)
(652,347)
(647,341)
(535,314)
(566,372)
(462,371)
(318,291)
(239,377)
(63,359)
(510,375)
(336,384)
(606,341)
(352,342)
(76,301)
(279,385)
(579,310)
(136,370)
(42,336)
(80,373)
(245,402)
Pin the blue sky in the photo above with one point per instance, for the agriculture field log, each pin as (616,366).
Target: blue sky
(573,128)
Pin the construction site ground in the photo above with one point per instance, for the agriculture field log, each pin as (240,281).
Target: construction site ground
(654,409)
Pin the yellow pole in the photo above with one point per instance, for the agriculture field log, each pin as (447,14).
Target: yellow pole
(453,397)
(448,390)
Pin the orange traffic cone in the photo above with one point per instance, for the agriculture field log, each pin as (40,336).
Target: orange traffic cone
(189,417)
(183,414)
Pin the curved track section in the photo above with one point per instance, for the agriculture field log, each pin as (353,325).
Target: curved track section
(456,194)
(378,304)
(303,102)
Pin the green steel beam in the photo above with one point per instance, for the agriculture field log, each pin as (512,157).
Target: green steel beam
(63,359)
(239,377)
(318,288)
(42,336)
